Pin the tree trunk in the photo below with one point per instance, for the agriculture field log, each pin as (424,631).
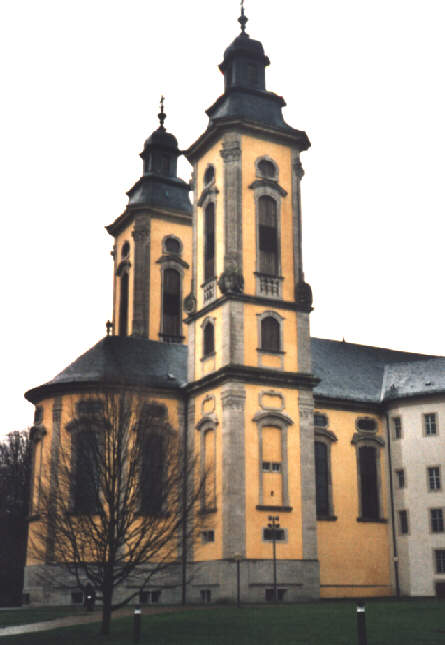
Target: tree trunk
(106,608)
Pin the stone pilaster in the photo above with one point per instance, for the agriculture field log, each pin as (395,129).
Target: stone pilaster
(307,470)
(233,333)
(233,501)
(233,245)
(54,467)
(141,276)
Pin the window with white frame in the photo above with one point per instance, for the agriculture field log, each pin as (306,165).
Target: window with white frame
(396,427)
(400,477)
(436,517)
(430,424)
(440,560)
(433,473)
(403,522)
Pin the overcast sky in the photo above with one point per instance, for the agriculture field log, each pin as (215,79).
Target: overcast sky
(80,86)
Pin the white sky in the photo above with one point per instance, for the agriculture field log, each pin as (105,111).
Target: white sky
(80,85)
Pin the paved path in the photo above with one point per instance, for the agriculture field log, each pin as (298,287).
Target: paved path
(66,621)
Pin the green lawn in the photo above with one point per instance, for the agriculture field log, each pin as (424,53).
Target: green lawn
(26,615)
(411,622)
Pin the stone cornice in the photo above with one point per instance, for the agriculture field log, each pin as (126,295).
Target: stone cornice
(256,375)
(139,209)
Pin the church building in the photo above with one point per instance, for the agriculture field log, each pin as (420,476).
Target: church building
(340,444)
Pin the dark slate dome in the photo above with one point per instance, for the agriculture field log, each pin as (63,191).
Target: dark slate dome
(244,45)
(162,138)
(120,361)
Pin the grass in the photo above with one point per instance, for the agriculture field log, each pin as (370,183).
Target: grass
(27,615)
(389,622)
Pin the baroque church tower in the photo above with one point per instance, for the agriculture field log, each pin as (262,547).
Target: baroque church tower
(249,360)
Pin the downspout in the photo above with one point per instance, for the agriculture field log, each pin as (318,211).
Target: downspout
(184,502)
(391,495)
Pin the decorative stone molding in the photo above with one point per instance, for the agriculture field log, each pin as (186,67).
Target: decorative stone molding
(141,234)
(272,416)
(190,304)
(271,393)
(209,191)
(231,151)
(366,437)
(326,434)
(206,421)
(208,405)
(303,296)
(165,239)
(298,169)
(268,183)
(233,399)
(231,281)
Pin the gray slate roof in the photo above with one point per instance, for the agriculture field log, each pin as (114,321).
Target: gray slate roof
(356,372)
(346,371)
(117,360)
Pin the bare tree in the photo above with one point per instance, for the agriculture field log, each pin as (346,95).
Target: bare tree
(120,501)
(14,497)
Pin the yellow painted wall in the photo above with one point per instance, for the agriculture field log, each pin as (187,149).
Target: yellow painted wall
(350,552)
(253,148)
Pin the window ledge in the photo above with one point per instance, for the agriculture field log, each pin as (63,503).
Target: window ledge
(378,520)
(207,511)
(281,509)
(326,518)
(207,356)
(276,352)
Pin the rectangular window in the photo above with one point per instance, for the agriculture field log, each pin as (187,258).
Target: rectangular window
(430,424)
(436,515)
(208,536)
(397,427)
(440,560)
(268,236)
(149,597)
(321,478)
(400,475)
(434,478)
(268,535)
(271,467)
(205,595)
(403,522)
(281,595)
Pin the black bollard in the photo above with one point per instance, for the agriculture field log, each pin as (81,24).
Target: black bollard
(361,623)
(137,624)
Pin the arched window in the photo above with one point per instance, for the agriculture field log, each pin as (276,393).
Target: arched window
(86,468)
(209,175)
(322,478)
(268,236)
(208,339)
(172,246)
(171,304)
(125,250)
(367,458)
(270,334)
(123,307)
(209,242)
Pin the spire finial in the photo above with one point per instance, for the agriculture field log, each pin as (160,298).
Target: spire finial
(242,19)
(162,115)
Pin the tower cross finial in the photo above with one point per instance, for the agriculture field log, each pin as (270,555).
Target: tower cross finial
(162,115)
(242,19)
